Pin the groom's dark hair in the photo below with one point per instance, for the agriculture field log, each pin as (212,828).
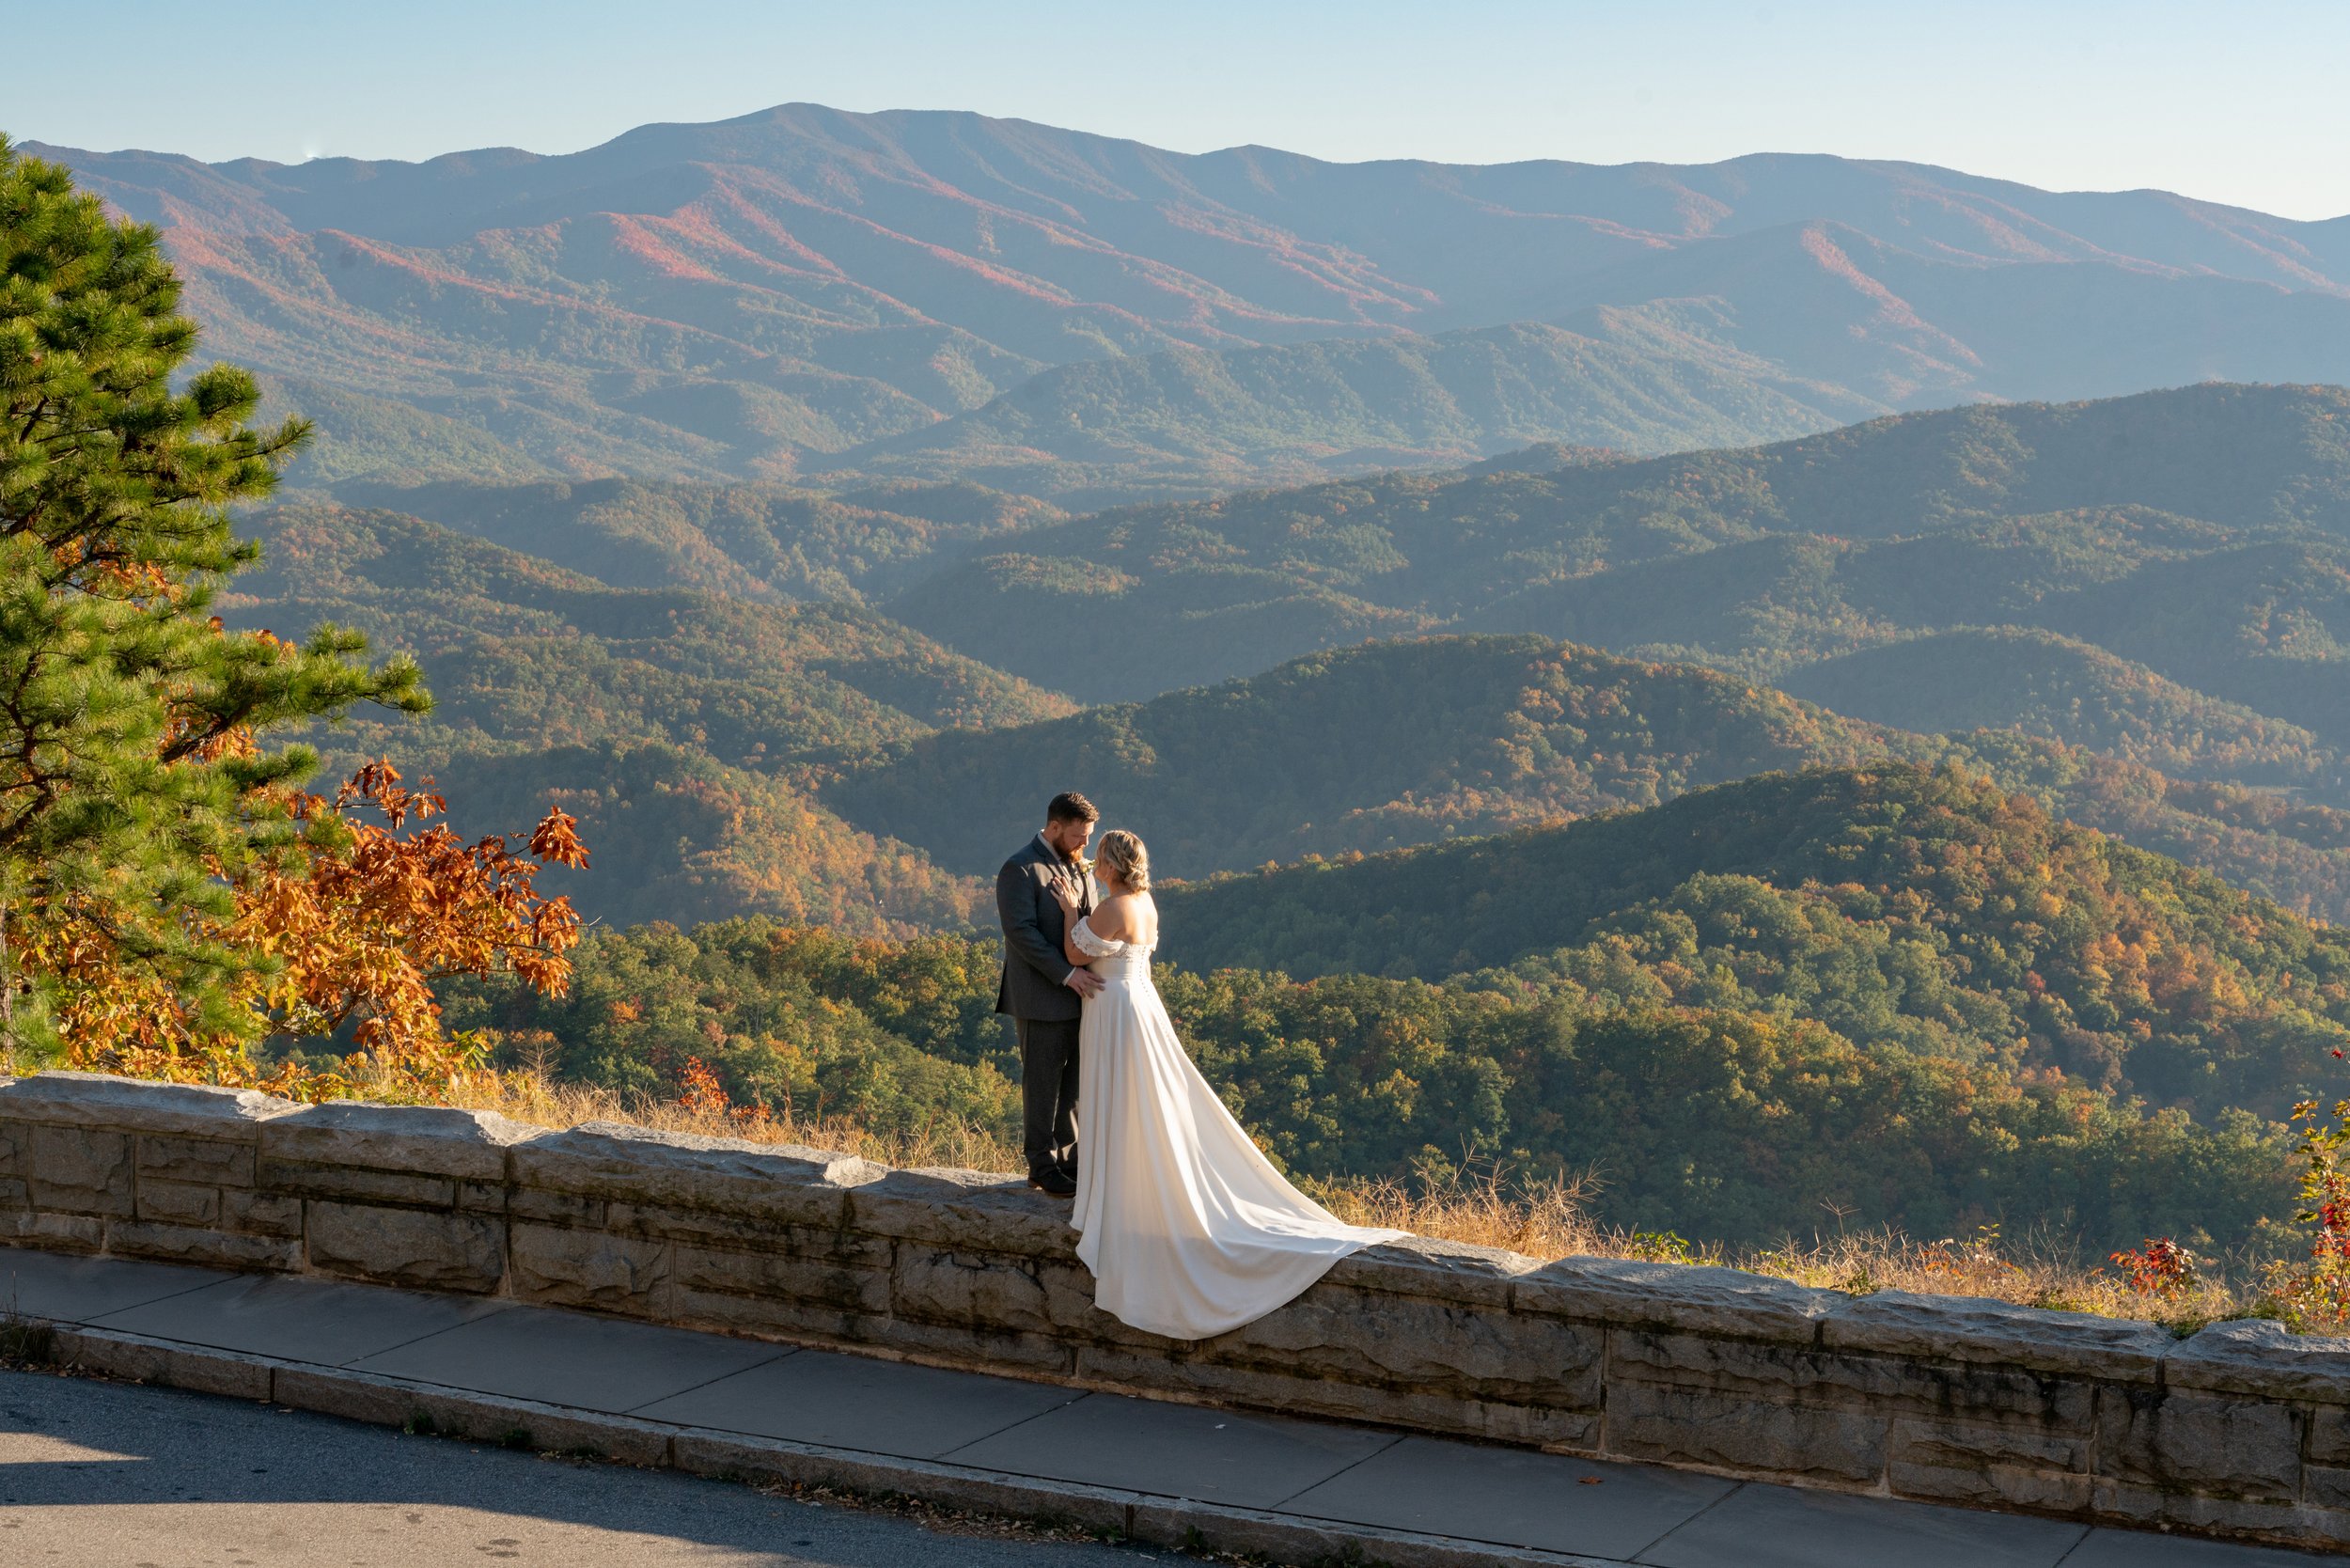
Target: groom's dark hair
(1070,807)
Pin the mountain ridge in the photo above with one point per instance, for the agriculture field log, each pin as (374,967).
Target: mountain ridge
(774,294)
(1739,557)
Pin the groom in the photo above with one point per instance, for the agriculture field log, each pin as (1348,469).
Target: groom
(1043,991)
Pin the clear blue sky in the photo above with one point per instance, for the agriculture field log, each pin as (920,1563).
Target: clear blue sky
(2242,101)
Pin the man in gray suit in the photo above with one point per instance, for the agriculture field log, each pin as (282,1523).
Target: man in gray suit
(1041,989)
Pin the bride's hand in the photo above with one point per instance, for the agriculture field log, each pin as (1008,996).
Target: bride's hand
(1066,895)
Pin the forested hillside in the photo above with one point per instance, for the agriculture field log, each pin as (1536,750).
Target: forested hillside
(1361,749)
(764,541)
(665,720)
(1195,421)
(1394,744)
(1719,1121)
(1746,987)
(2044,683)
(2200,538)
(1927,909)
(748,648)
(523,653)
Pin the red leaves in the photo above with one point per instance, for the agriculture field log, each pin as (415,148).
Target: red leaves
(701,1093)
(2162,1269)
(2317,1292)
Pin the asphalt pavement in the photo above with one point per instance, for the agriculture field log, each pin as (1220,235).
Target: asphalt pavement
(106,1475)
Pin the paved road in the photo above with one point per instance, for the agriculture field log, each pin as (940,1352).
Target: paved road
(101,1475)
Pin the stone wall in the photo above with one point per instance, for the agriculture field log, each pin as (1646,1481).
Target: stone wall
(2241,1429)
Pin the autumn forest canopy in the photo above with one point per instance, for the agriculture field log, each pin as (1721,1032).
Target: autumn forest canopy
(1932,817)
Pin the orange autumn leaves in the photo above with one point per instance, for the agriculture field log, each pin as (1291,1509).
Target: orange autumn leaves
(349,934)
(369,928)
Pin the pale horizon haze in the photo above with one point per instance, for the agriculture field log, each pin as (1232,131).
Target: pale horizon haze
(2236,104)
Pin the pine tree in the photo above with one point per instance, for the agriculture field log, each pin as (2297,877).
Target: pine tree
(130,782)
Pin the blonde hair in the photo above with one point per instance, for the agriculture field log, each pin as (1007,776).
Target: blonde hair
(1123,854)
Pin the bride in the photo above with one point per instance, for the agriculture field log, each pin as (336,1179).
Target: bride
(1188,1229)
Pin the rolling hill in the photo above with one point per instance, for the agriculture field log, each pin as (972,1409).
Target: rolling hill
(2245,616)
(762,732)
(667,720)
(764,542)
(1198,422)
(1929,909)
(2203,534)
(1996,575)
(1364,748)
(1737,1117)
(805,289)
(1388,745)
(2041,684)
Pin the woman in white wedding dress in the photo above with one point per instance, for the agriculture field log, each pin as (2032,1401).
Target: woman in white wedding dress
(1187,1226)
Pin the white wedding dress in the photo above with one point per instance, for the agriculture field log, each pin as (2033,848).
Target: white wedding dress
(1186,1226)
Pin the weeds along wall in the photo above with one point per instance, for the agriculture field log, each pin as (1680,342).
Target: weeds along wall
(2241,1429)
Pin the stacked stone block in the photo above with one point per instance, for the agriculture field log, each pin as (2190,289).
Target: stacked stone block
(2241,1429)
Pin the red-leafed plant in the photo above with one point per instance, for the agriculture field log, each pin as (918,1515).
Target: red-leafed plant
(2161,1269)
(2316,1293)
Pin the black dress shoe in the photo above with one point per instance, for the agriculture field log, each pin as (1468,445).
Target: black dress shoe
(1050,1182)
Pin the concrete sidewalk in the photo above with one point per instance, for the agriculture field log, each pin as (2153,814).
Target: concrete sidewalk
(1294,1490)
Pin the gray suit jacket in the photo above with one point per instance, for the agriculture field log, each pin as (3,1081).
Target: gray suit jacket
(1034,964)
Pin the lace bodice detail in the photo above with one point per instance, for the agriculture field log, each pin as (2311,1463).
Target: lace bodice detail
(1092,945)
(1121,955)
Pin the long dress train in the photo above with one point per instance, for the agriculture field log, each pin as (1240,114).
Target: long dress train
(1187,1226)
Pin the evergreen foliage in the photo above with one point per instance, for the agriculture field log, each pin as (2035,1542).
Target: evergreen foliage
(126,777)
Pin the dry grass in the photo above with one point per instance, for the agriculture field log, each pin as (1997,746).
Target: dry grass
(1541,1220)
(530,1097)
(1554,1220)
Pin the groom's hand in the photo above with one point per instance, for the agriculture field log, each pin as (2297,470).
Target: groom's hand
(1085,982)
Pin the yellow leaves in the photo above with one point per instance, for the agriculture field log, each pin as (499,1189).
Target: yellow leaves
(354,934)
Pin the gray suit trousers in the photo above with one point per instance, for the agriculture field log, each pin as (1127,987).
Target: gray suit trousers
(1048,1090)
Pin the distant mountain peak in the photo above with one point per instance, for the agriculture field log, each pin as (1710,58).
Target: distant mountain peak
(802,287)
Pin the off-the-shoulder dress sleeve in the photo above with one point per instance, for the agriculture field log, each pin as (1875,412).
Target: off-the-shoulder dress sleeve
(1097,947)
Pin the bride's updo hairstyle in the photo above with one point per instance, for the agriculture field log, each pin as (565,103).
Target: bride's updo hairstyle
(1123,854)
